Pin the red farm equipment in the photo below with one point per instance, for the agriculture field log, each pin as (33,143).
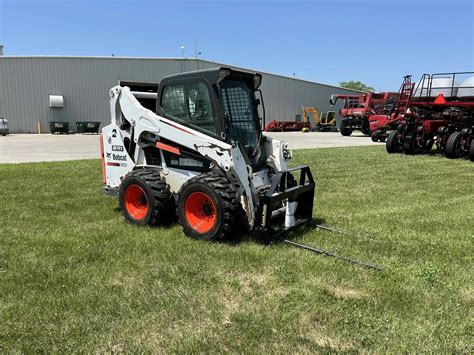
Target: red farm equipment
(309,121)
(283,126)
(357,109)
(381,123)
(439,110)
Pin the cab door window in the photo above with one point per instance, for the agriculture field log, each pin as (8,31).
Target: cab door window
(189,103)
(237,104)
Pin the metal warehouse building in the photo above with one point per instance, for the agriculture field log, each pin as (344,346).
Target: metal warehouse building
(27,82)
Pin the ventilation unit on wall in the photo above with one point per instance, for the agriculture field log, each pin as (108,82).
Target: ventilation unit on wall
(56,101)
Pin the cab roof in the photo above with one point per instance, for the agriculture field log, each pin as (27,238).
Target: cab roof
(215,75)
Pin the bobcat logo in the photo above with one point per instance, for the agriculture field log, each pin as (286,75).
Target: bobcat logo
(109,155)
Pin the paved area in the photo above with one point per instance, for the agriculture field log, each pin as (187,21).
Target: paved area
(299,140)
(22,148)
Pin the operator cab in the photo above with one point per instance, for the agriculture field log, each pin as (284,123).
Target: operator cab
(218,102)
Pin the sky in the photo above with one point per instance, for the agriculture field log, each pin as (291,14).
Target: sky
(376,42)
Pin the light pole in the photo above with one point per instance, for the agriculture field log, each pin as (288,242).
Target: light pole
(195,55)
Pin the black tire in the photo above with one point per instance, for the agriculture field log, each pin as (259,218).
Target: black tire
(392,145)
(471,151)
(374,137)
(453,148)
(429,147)
(410,146)
(345,131)
(209,207)
(407,148)
(145,198)
(365,127)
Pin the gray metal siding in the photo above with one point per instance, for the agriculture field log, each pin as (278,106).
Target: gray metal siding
(84,82)
(285,97)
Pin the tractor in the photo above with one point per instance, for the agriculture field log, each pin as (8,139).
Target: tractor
(200,157)
(357,109)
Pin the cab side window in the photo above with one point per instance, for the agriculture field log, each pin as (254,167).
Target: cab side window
(189,103)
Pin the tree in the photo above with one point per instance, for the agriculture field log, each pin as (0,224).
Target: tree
(356,85)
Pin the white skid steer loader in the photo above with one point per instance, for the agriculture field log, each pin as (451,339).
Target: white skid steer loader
(202,156)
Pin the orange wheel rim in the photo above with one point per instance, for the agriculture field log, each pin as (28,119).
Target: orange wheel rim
(200,212)
(136,202)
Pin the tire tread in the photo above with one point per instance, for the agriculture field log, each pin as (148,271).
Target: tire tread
(451,145)
(227,195)
(163,202)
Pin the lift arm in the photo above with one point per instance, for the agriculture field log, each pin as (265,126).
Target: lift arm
(314,111)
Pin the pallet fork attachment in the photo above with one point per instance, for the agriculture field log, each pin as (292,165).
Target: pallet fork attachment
(279,237)
(328,253)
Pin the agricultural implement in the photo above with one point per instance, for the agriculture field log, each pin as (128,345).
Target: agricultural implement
(201,157)
(356,110)
(283,126)
(439,111)
(382,123)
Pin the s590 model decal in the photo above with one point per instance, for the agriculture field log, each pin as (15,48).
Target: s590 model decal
(117,148)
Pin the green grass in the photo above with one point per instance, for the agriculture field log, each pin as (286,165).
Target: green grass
(75,276)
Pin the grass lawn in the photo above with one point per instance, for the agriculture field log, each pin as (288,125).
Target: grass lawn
(75,276)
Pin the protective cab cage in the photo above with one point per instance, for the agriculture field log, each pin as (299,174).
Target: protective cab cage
(213,78)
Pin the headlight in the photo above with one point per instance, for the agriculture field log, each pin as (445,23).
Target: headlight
(286,151)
